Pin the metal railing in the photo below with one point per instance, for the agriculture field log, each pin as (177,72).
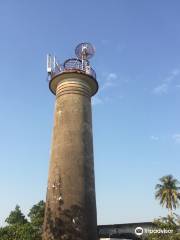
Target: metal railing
(73,64)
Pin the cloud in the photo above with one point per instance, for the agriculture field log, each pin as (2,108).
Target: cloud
(154,138)
(172,75)
(176,138)
(111,76)
(164,87)
(110,81)
(96,101)
(161,89)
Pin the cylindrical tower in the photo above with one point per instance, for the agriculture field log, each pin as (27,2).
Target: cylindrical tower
(70,204)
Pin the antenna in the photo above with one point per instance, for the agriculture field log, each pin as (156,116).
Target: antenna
(85,51)
(54,62)
(58,67)
(49,63)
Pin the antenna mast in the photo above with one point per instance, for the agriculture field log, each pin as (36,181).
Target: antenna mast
(85,51)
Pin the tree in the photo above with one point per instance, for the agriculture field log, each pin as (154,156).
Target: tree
(168,193)
(36,215)
(165,223)
(19,228)
(16,217)
(19,232)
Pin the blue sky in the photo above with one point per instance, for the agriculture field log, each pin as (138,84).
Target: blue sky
(136,114)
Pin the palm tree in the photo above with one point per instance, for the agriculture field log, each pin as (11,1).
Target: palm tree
(168,192)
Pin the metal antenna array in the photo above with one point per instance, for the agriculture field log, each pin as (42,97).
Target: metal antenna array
(52,64)
(84,51)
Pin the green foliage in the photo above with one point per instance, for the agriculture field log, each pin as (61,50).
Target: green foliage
(19,228)
(167,223)
(168,192)
(19,232)
(16,217)
(36,214)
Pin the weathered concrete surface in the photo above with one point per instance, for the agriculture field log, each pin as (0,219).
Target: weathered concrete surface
(70,205)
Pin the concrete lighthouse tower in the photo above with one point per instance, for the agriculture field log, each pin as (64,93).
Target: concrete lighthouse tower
(70,203)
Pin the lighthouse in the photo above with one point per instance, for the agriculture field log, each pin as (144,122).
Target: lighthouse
(70,212)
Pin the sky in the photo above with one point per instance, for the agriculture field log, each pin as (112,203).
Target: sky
(136,114)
